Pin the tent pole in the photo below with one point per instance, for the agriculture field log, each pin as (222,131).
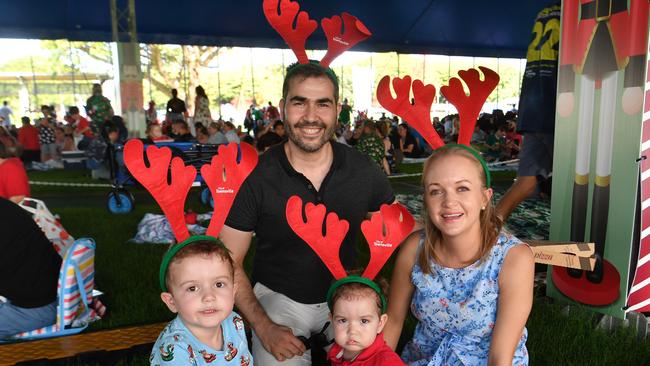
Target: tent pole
(252,74)
(74,86)
(219,82)
(35,86)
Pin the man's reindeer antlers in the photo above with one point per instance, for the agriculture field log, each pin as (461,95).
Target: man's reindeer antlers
(338,40)
(418,114)
(396,219)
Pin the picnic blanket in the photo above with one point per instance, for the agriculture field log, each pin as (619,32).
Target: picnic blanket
(155,229)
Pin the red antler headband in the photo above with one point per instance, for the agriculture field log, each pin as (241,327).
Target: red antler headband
(396,219)
(418,114)
(224,176)
(338,41)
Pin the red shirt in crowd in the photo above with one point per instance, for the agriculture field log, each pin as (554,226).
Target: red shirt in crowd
(378,354)
(82,125)
(28,137)
(13,179)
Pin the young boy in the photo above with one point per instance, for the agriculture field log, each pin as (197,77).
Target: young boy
(197,279)
(358,308)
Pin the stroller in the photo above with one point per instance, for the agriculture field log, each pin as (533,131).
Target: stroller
(120,201)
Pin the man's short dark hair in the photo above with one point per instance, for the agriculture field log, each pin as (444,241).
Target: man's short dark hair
(174,92)
(311,70)
(278,123)
(25,120)
(73,110)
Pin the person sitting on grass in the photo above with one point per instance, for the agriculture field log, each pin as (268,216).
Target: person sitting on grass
(197,279)
(358,316)
(468,282)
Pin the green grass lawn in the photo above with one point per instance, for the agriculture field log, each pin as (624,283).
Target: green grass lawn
(127,274)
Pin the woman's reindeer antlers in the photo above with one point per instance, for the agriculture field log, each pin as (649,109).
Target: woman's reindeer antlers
(224,176)
(469,106)
(396,220)
(338,40)
(418,114)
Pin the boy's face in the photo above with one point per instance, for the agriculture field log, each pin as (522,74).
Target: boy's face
(202,292)
(356,324)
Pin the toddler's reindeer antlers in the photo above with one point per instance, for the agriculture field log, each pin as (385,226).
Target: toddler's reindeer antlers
(326,246)
(398,222)
(170,196)
(224,176)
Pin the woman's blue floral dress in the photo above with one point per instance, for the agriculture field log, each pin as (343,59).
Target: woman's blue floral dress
(457,309)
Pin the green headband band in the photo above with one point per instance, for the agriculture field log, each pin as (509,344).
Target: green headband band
(175,248)
(355,279)
(477,155)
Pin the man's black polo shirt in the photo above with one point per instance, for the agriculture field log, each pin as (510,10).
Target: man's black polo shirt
(283,262)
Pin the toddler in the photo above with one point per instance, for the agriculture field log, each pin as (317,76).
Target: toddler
(358,312)
(197,279)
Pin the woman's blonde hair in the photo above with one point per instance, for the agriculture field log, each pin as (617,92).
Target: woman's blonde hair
(490,223)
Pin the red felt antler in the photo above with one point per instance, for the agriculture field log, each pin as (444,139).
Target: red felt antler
(399,223)
(224,176)
(469,106)
(326,247)
(338,42)
(283,24)
(170,196)
(417,115)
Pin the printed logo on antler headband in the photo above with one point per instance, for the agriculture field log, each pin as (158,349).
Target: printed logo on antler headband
(418,115)
(396,219)
(224,176)
(338,40)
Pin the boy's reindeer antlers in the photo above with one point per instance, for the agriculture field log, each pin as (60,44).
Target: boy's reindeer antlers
(396,219)
(338,40)
(170,196)
(418,115)
(224,176)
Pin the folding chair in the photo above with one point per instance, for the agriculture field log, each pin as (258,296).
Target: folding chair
(75,309)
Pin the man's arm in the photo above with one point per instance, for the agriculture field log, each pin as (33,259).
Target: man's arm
(276,339)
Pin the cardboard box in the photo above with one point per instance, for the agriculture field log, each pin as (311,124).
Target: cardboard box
(564,254)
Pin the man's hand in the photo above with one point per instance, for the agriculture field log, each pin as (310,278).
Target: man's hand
(279,341)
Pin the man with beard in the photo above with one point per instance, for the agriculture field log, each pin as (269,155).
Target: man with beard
(291,282)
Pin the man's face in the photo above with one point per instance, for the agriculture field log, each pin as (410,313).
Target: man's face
(310,112)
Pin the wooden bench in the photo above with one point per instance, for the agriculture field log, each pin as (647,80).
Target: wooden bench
(71,346)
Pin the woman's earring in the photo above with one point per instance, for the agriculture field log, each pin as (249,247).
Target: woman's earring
(482,208)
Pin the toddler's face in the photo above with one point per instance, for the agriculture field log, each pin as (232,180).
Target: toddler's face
(356,324)
(201,292)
